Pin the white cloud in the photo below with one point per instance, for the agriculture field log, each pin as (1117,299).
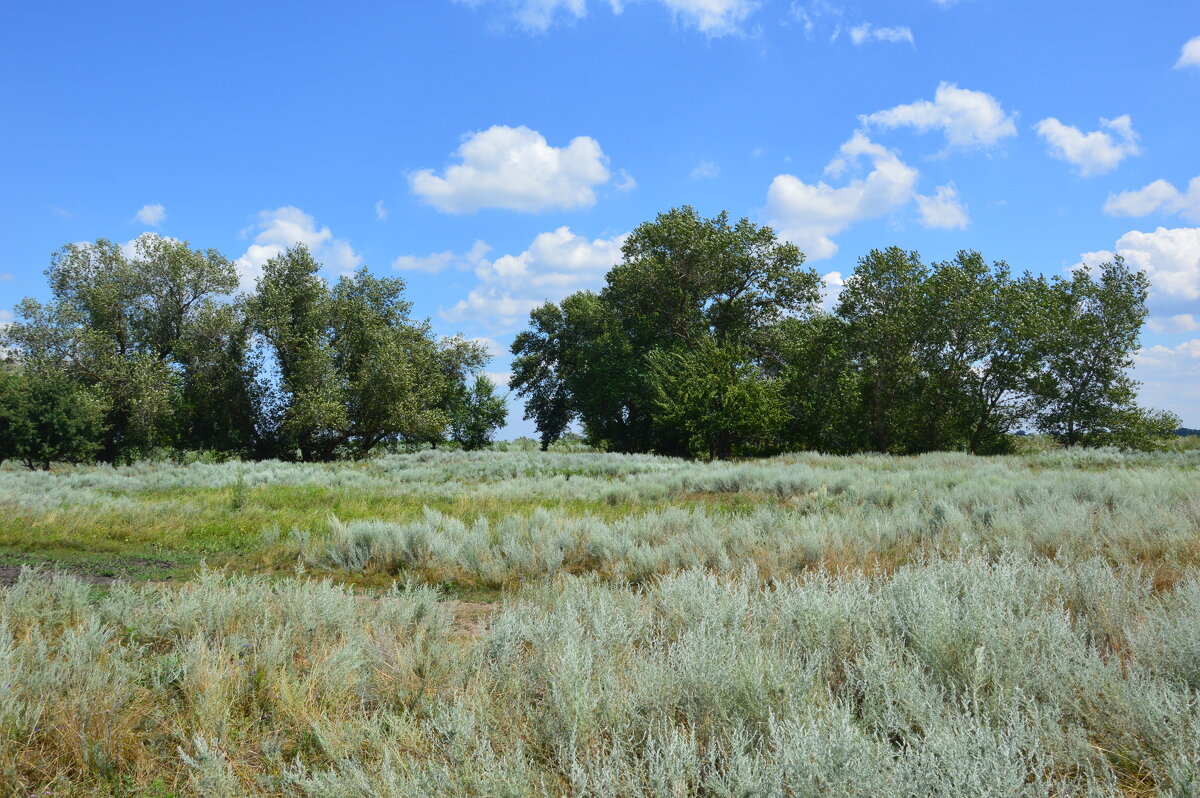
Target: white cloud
(538,16)
(151,215)
(554,265)
(1170,258)
(967,118)
(866,32)
(1170,378)
(494,348)
(625,181)
(809,215)
(437,261)
(705,169)
(514,168)
(381,211)
(1092,153)
(1156,196)
(277,230)
(713,18)
(944,209)
(1190,54)
(1179,323)
(6,316)
(5,277)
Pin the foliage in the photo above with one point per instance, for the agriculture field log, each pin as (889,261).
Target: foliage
(956,355)
(684,283)
(47,418)
(715,397)
(476,414)
(116,324)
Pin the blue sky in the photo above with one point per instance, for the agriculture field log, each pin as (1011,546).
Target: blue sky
(493,153)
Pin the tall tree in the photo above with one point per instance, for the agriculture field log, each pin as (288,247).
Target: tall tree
(881,305)
(1084,390)
(114,324)
(354,371)
(684,281)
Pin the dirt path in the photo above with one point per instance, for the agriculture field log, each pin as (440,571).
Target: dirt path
(94,572)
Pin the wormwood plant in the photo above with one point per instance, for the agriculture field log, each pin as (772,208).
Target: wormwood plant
(961,677)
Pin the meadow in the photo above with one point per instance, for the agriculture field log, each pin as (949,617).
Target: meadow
(514,623)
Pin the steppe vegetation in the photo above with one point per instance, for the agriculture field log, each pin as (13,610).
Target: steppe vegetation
(573,623)
(250,545)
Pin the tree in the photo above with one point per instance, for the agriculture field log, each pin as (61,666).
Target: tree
(683,280)
(717,399)
(115,324)
(880,305)
(45,418)
(354,370)
(819,386)
(976,344)
(220,404)
(477,414)
(1092,326)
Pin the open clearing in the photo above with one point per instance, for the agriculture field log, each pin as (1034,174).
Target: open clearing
(526,623)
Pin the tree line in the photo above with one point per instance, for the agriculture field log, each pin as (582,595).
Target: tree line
(155,349)
(709,339)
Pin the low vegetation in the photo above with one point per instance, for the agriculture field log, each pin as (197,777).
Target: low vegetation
(803,625)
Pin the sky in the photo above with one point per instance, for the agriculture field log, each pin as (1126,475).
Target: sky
(494,153)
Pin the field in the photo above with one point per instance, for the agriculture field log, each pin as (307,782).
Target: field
(521,623)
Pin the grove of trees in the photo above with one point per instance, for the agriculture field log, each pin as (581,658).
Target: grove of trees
(153,349)
(709,340)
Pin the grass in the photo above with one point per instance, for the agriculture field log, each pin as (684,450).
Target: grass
(518,623)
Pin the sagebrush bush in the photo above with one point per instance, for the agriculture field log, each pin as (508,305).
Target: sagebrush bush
(958,677)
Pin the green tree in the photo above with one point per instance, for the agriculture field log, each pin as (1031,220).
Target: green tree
(114,325)
(1093,322)
(683,280)
(819,385)
(477,414)
(220,404)
(716,398)
(881,305)
(354,371)
(975,346)
(46,417)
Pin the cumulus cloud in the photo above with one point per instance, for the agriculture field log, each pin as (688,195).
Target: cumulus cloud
(705,169)
(866,32)
(1092,153)
(515,168)
(967,118)
(1189,56)
(150,215)
(713,18)
(1179,323)
(944,209)
(437,261)
(810,215)
(381,211)
(555,264)
(277,230)
(1170,377)
(1157,196)
(1170,258)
